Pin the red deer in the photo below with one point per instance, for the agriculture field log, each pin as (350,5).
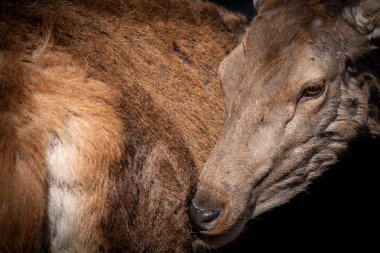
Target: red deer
(108,110)
(303,83)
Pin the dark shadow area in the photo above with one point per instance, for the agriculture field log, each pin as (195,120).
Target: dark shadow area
(242,6)
(339,211)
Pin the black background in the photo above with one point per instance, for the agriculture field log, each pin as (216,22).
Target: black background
(339,212)
(243,6)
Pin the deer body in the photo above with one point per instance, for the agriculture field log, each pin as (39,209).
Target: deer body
(108,109)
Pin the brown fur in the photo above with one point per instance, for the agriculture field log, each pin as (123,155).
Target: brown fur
(115,104)
(276,140)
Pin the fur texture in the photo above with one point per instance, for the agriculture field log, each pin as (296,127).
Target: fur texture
(107,111)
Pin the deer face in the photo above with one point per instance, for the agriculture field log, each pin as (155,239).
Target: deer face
(298,89)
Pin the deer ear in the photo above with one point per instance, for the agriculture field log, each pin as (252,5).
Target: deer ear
(365,16)
(231,73)
(257,4)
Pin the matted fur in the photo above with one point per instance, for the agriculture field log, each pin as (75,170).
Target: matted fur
(107,111)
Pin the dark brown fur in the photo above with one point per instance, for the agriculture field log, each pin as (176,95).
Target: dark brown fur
(129,88)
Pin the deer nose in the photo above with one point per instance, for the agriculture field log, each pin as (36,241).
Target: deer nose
(204,218)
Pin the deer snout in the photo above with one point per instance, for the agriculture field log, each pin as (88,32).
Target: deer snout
(204,218)
(207,209)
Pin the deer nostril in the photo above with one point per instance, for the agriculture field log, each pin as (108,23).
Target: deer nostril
(204,218)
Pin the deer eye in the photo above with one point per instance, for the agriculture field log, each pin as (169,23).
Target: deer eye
(312,90)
